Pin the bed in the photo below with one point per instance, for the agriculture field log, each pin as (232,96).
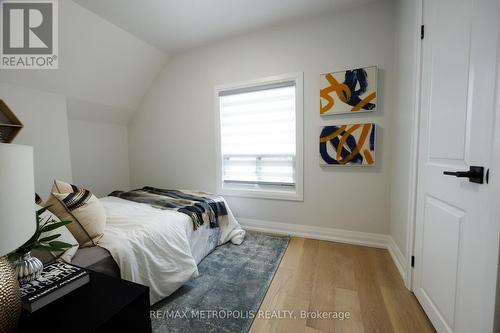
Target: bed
(154,247)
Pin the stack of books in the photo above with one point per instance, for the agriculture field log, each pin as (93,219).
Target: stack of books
(56,280)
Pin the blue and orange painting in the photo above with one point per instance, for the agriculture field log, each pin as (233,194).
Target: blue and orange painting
(352,144)
(353,90)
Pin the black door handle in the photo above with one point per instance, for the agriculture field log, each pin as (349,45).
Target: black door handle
(475,174)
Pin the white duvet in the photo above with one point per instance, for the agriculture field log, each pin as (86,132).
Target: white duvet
(159,248)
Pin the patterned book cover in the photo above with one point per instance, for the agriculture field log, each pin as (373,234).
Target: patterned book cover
(55,276)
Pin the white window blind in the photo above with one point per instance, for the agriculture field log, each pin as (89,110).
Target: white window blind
(258,139)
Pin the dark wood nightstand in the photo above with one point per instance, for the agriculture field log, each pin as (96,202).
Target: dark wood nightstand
(106,304)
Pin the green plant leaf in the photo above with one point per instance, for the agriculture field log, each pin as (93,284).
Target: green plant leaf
(48,238)
(53,226)
(41,211)
(47,222)
(13,256)
(43,247)
(59,244)
(36,243)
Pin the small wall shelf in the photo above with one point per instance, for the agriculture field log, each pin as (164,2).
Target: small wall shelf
(10,125)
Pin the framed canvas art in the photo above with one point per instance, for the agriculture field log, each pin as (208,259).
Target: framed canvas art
(352,144)
(353,90)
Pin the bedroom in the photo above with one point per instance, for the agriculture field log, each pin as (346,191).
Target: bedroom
(297,236)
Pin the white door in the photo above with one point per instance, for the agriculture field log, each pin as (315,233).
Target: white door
(459,55)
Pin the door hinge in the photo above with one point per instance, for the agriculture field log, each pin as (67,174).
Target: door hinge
(422,31)
(412,261)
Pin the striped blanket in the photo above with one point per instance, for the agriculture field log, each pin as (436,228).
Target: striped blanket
(201,207)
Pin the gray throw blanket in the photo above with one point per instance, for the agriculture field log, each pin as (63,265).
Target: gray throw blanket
(199,206)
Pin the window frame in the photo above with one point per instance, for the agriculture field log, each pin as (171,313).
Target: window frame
(256,190)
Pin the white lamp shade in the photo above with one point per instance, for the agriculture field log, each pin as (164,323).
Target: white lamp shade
(17,193)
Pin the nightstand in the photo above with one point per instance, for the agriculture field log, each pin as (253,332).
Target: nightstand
(106,304)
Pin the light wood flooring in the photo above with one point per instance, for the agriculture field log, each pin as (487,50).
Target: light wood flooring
(326,276)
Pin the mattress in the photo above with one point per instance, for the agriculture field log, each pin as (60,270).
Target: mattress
(97,259)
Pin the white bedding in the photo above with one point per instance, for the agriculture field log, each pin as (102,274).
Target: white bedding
(159,248)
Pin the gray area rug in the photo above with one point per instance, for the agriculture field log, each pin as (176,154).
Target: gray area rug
(232,284)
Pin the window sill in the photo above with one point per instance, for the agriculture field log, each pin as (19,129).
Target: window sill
(261,193)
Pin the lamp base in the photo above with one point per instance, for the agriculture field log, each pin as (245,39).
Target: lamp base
(10,297)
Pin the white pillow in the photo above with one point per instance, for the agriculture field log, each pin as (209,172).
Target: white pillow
(66,237)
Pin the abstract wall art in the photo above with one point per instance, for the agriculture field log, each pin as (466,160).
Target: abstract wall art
(349,91)
(352,144)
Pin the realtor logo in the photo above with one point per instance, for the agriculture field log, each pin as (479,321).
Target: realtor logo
(29,34)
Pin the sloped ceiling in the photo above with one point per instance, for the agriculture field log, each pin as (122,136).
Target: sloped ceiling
(176,25)
(103,70)
(111,51)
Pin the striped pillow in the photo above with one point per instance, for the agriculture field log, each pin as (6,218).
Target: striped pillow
(38,200)
(70,203)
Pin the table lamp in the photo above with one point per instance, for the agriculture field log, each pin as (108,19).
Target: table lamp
(17,223)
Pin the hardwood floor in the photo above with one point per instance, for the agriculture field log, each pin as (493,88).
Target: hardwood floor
(333,277)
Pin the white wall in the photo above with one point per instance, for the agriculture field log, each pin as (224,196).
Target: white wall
(171,137)
(45,128)
(402,119)
(99,156)
(99,63)
(103,73)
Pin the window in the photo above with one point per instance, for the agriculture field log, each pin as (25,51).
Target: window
(260,138)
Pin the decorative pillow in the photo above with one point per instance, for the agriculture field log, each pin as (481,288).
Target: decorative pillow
(38,200)
(63,187)
(66,237)
(70,203)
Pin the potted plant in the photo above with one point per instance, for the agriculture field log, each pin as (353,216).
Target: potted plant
(27,267)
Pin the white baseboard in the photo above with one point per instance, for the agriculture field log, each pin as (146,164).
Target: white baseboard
(330,234)
(398,257)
